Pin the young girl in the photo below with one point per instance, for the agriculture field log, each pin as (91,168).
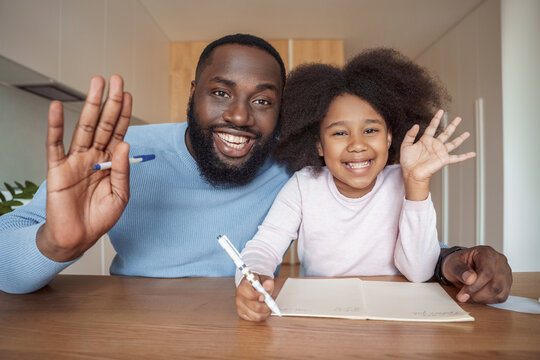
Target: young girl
(352,210)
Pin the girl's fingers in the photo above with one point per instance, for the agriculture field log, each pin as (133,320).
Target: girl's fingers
(86,127)
(461,157)
(55,135)
(445,135)
(457,141)
(434,124)
(410,135)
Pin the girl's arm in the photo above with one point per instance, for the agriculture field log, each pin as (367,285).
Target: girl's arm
(265,251)
(420,160)
(417,248)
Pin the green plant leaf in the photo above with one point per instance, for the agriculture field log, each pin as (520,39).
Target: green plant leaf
(2,197)
(20,186)
(23,195)
(10,189)
(13,203)
(31,186)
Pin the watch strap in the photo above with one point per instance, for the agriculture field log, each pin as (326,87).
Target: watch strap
(438,268)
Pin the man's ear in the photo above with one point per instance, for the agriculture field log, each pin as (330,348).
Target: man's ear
(192,89)
(388,139)
(319,149)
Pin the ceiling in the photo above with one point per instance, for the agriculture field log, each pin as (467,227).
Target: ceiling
(410,26)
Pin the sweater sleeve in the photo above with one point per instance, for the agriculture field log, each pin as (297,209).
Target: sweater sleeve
(417,248)
(23,268)
(265,251)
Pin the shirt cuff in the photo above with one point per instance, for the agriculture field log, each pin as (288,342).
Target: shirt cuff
(23,268)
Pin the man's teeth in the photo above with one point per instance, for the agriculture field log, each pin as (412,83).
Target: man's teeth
(358,165)
(236,142)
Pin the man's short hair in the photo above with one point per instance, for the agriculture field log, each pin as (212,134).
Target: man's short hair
(241,39)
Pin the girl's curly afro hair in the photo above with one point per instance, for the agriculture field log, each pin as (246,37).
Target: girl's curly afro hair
(402,92)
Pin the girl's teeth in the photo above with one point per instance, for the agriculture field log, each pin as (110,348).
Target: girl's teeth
(358,165)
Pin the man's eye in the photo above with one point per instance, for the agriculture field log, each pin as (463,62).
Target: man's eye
(220,93)
(262,102)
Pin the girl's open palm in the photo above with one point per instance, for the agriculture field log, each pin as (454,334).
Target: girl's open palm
(420,160)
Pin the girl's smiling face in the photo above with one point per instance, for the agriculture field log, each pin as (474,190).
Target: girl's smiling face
(354,142)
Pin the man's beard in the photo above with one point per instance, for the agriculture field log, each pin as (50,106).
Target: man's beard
(212,168)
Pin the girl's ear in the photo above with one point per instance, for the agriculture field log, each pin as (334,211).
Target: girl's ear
(388,139)
(319,149)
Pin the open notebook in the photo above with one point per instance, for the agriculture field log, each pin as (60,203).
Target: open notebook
(353,298)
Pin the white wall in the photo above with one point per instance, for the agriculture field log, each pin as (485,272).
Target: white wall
(467,60)
(70,41)
(520,22)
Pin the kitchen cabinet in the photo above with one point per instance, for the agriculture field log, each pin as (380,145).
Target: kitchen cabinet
(184,57)
(69,41)
(29,34)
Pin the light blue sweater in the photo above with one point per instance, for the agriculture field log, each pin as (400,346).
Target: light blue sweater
(169,226)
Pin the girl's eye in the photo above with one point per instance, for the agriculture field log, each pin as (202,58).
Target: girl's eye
(262,102)
(339,133)
(370,131)
(220,93)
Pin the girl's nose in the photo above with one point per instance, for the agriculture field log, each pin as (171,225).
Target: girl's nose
(356,144)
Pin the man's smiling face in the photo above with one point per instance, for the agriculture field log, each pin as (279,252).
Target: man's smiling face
(233,113)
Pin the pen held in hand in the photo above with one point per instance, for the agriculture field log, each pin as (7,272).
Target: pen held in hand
(132,160)
(235,256)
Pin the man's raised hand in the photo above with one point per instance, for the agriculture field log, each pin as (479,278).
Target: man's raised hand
(83,204)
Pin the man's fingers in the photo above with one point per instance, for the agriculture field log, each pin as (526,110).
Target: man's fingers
(463,295)
(110,114)
(84,132)
(122,124)
(493,292)
(120,172)
(457,270)
(55,135)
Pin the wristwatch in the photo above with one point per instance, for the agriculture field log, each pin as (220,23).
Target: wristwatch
(438,268)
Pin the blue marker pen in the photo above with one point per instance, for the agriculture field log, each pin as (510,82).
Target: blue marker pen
(132,160)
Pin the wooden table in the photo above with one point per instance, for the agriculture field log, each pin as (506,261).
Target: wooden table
(112,317)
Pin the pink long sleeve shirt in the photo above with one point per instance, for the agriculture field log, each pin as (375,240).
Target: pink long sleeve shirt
(380,233)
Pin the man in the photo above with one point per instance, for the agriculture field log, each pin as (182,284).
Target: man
(211,176)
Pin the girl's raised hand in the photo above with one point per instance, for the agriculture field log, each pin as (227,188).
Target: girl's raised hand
(420,160)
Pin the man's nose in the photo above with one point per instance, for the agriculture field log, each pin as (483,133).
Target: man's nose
(239,114)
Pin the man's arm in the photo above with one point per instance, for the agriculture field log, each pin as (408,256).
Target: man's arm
(481,273)
(23,268)
(81,204)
